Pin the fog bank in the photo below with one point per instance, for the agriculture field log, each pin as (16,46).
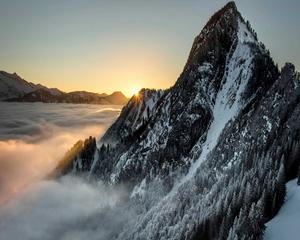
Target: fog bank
(34,136)
(68,209)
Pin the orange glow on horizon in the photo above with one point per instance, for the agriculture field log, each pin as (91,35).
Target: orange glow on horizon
(126,68)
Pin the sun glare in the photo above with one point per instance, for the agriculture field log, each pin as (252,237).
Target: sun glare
(135,91)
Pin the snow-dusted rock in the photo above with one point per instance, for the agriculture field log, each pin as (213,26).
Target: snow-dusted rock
(209,157)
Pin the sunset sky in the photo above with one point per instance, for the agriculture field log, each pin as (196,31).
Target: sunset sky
(105,46)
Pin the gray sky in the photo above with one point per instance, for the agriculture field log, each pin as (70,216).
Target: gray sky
(104,46)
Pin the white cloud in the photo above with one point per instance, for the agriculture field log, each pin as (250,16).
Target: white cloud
(66,209)
(34,137)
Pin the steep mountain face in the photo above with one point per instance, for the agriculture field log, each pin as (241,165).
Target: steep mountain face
(135,114)
(209,157)
(228,73)
(78,158)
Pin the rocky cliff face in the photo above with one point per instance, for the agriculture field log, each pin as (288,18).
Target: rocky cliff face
(209,157)
(227,69)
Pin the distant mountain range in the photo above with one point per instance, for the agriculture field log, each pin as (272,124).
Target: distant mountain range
(15,89)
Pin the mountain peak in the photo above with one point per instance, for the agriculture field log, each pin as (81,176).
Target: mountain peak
(288,67)
(229,8)
(10,75)
(230,5)
(118,93)
(217,35)
(117,97)
(205,140)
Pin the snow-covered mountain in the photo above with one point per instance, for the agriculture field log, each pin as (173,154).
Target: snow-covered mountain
(139,110)
(11,86)
(209,157)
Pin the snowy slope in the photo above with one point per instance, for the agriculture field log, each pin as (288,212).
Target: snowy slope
(11,85)
(208,160)
(229,100)
(286,225)
(139,110)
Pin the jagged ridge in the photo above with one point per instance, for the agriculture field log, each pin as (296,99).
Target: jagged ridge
(203,164)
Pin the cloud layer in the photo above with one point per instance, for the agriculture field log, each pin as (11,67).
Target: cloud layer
(33,137)
(68,209)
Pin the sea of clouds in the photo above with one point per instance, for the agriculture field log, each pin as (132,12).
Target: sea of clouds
(67,209)
(35,136)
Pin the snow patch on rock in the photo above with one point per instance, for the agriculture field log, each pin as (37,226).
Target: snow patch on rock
(286,224)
